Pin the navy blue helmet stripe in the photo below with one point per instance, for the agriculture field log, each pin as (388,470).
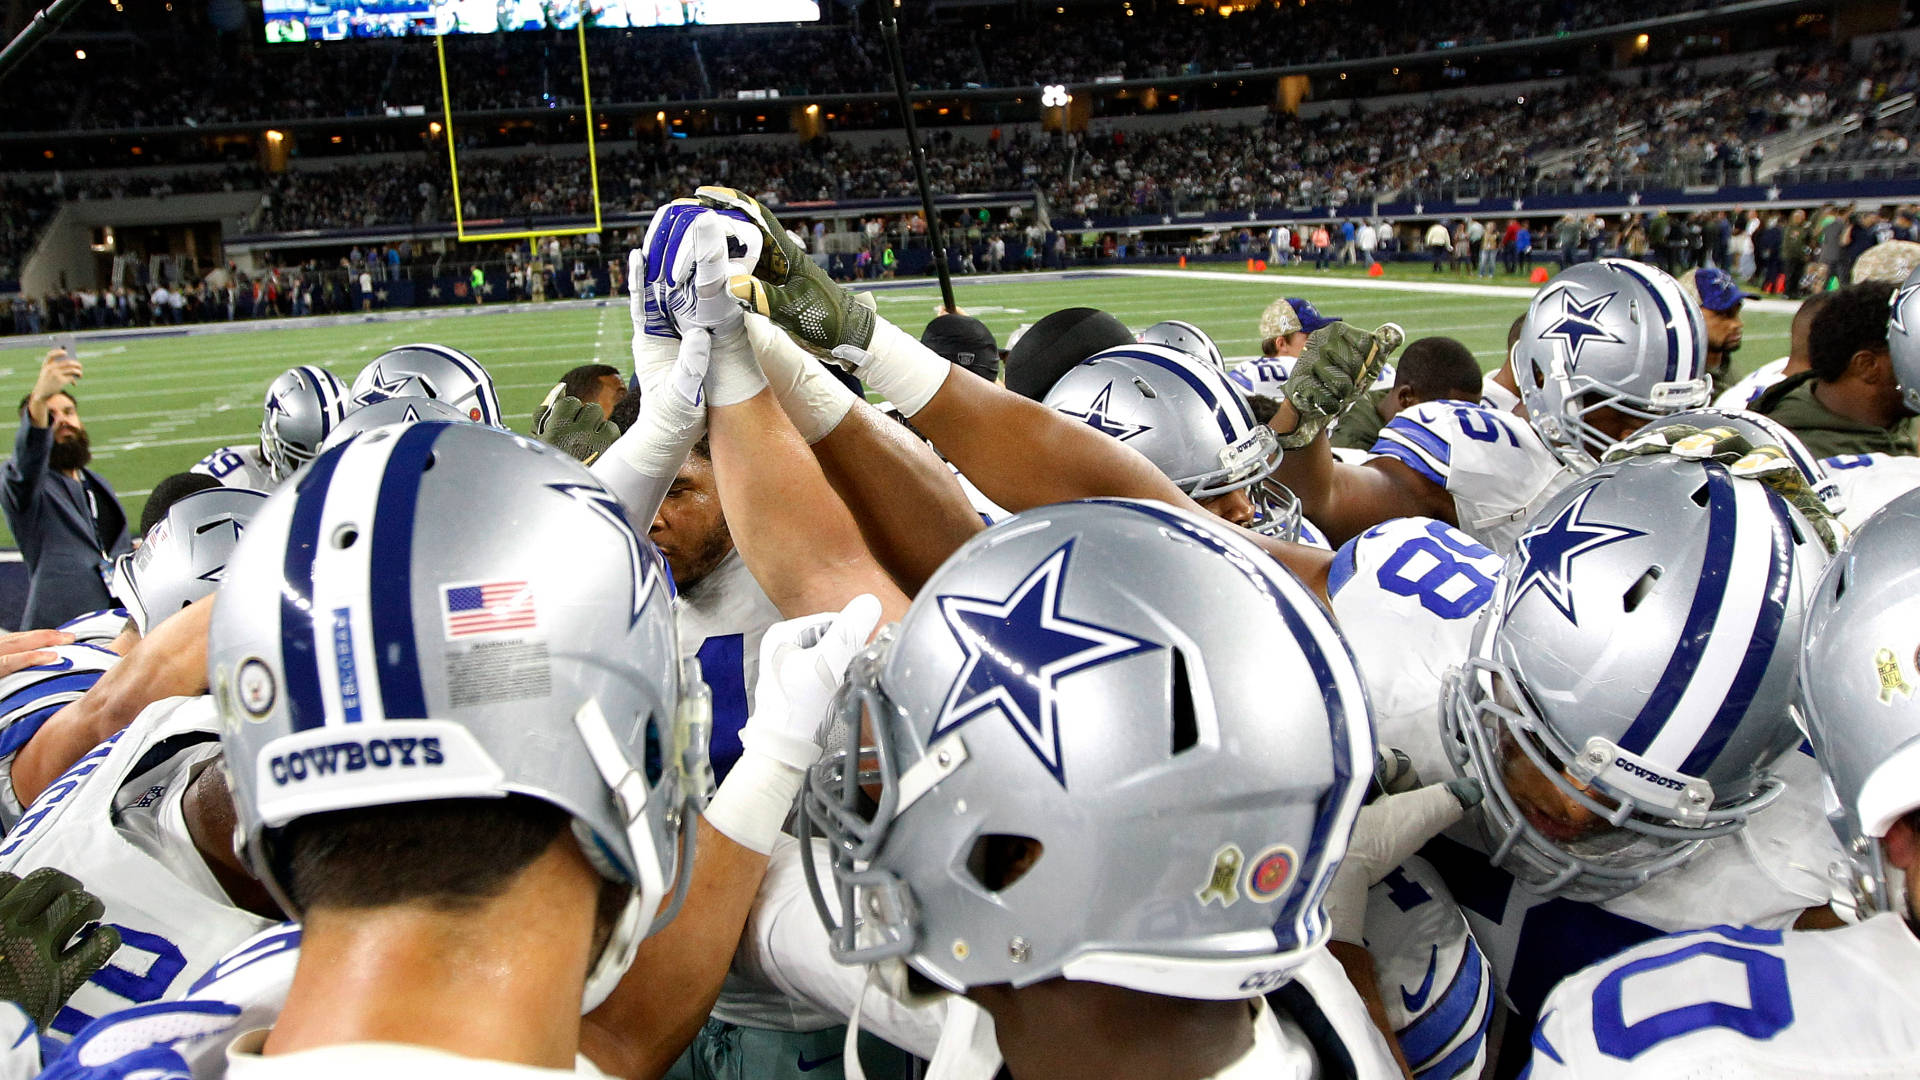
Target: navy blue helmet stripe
(390,601)
(1337,719)
(1207,396)
(1760,650)
(1666,319)
(305,709)
(1698,629)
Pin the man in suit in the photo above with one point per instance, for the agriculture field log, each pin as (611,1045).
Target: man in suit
(64,516)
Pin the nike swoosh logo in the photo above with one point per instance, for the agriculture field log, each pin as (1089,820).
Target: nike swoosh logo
(1413,1002)
(809,1066)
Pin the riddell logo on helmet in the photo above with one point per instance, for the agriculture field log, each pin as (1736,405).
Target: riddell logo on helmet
(346,757)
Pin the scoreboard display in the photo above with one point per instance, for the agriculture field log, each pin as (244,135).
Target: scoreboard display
(337,20)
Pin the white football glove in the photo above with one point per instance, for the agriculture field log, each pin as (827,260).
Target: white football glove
(801,664)
(1389,831)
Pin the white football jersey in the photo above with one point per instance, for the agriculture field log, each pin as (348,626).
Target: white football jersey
(1267,375)
(20,1056)
(1407,594)
(1435,984)
(237,467)
(114,821)
(1497,397)
(188,1038)
(96,627)
(1765,875)
(1739,1002)
(1743,394)
(1491,462)
(30,696)
(721,620)
(1868,482)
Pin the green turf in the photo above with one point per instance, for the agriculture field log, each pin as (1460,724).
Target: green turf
(155,406)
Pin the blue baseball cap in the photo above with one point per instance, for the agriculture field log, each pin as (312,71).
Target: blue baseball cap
(1292,314)
(1714,288)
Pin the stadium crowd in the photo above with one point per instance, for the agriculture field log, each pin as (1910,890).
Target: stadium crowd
(1098,707)
(163,79)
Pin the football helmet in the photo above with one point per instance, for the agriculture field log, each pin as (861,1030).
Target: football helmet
(1858,671)
(1186,337)
(184,555)
(1186,418)
(430,371)
(1760,429)
(303,405)
(1903,340)
(407,410)
(376,643)
(1066,761)
(1630,684)
(1612,334)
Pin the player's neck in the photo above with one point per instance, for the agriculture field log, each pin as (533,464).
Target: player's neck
(500,981)
(1061,1030)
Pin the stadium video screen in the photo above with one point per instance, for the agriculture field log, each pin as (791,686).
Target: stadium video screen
(337,20)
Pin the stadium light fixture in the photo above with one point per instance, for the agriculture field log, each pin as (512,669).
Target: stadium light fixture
(275,136)
(79,54)
(1054,96)
(813,110)
(1640,42)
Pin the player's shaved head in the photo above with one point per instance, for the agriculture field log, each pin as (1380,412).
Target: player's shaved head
(169,491)
(1438,369)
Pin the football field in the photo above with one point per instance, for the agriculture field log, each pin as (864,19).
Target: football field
(155,404)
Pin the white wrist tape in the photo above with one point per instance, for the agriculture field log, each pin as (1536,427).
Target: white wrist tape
(733,375)
(814,400)
(904,371)
(754,800)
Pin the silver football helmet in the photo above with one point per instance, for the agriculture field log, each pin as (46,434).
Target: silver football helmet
(1760,429)
(1067,762)
(1631,681)
(407,410)
(1613,334)
(1186,337)
(375,643)
(303,406)
(185,554)
(1903,340)
(1186,418)
(432,371)
(1858,669)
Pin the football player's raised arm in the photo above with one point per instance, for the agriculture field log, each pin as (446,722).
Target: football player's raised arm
(909,506)
(171,661)
(1345,500)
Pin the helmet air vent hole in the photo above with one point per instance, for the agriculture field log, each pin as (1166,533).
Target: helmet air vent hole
(1146,391)
(1700,496)
(427,465)
(999,859)
(344,536)
(1186,728)
(1641,588)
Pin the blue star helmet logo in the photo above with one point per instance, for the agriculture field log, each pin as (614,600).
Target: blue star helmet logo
(1017,650)
(1550,550)
(1095,415)
(1897,312)
(644,565)
(274,407)
(385,386)
(1579,323)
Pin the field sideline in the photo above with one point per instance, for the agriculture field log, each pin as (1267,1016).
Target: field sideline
(155,405)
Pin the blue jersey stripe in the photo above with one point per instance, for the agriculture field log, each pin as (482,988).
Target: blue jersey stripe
(1421,436)
(1694,635)
(1455,1064)
(1430,1034)
(1410,457)
(722,664)
(390,600)
(297,659)
(1343,567)
(1760,650)
(79,682)
(20,731)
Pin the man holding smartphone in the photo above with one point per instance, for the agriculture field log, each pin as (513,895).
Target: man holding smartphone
(64,516)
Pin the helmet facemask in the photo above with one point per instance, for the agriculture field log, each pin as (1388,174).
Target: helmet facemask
(1249,464)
